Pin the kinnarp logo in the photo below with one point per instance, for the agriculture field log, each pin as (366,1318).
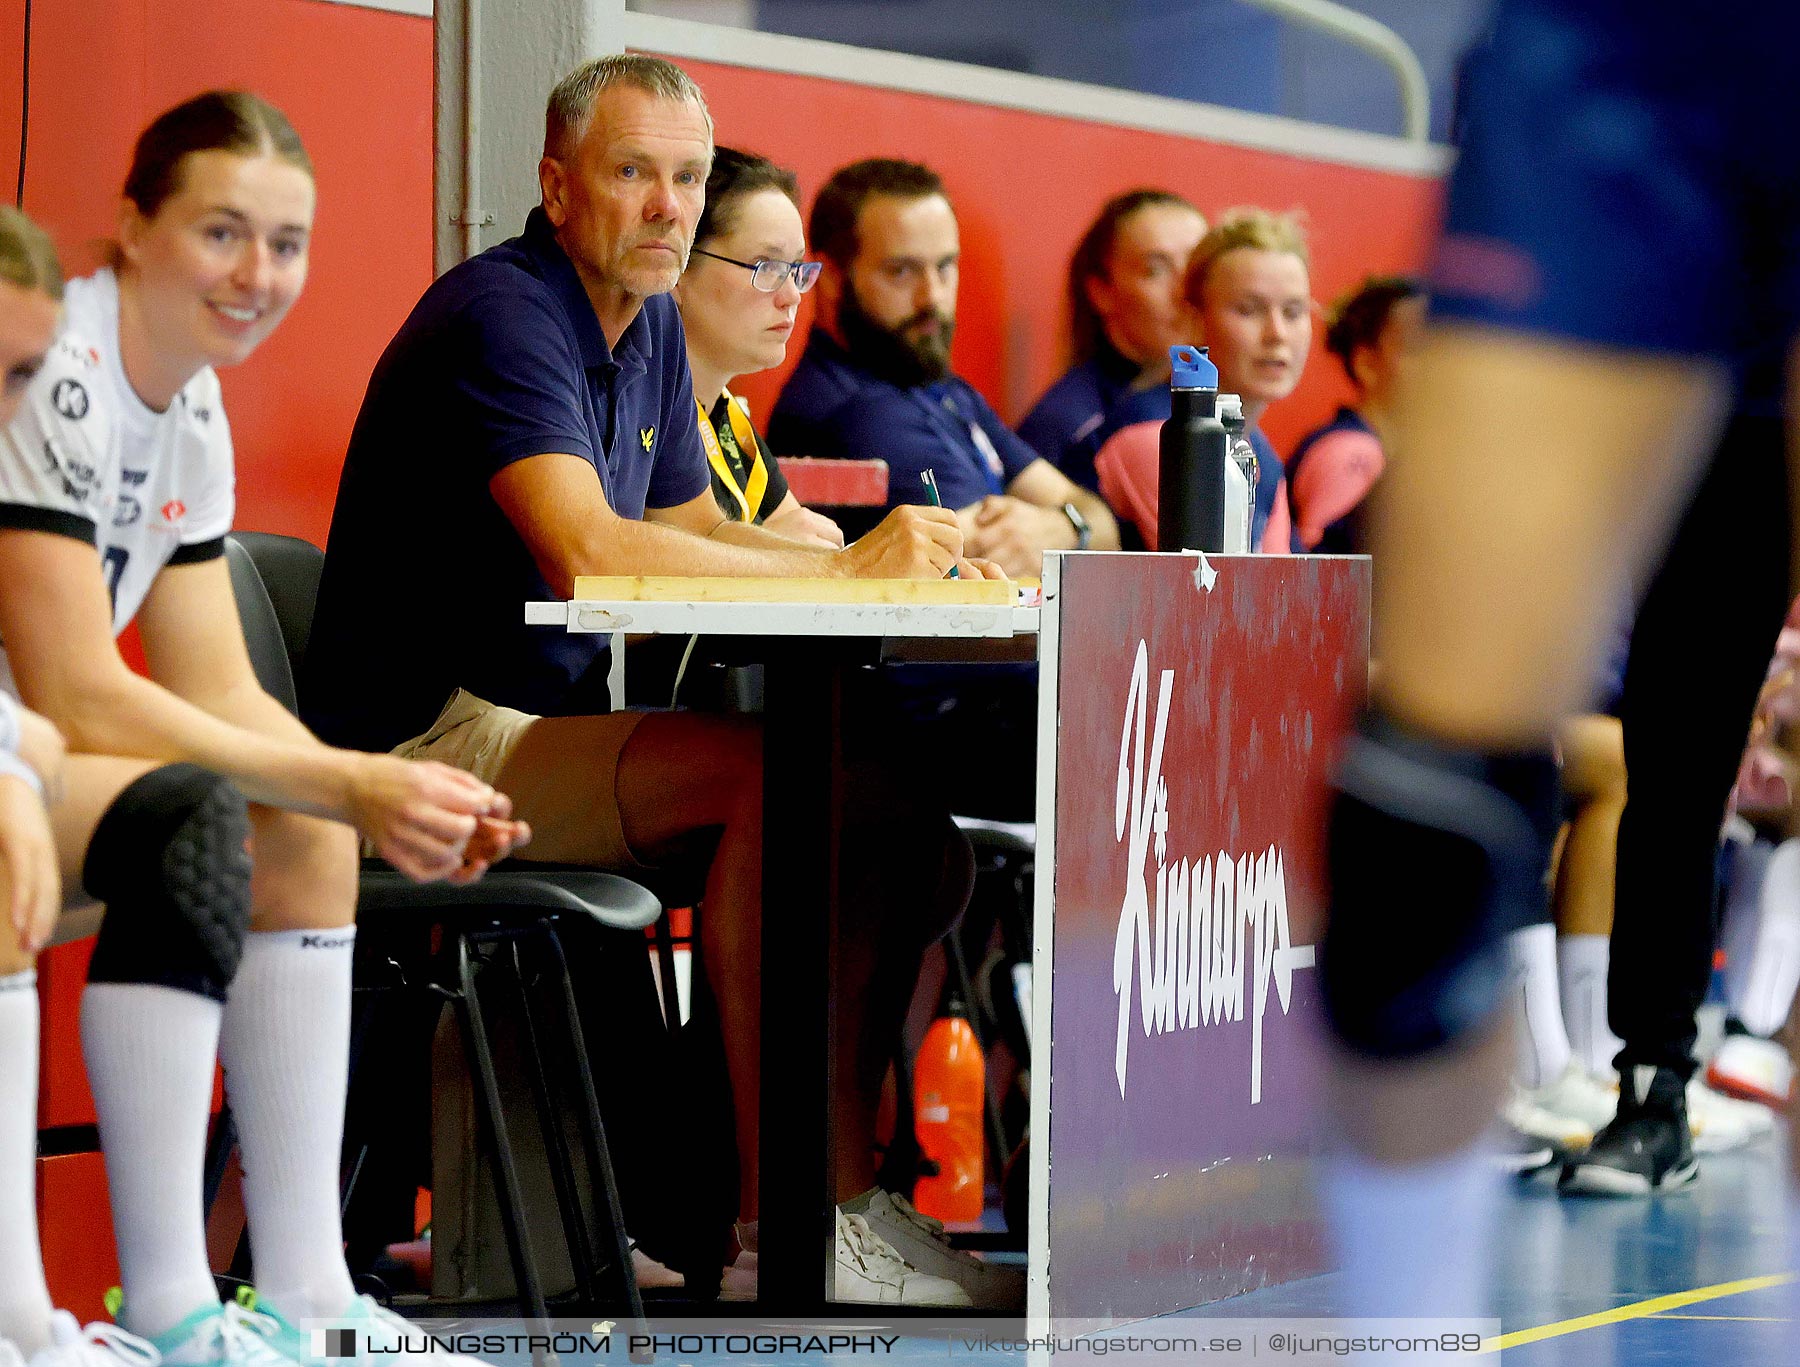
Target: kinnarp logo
(1212,915)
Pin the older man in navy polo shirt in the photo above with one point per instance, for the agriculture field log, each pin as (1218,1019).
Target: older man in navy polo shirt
(533,421)
(875,381)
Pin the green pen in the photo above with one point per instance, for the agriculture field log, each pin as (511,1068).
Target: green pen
(929,479)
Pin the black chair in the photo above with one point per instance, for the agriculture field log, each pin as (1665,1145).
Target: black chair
(503,928)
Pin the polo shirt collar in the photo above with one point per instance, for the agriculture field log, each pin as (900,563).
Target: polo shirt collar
(1112,363)
(636,348)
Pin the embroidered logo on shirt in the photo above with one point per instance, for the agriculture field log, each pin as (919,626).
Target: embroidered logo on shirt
(70,399)
(647,435)
(174,510)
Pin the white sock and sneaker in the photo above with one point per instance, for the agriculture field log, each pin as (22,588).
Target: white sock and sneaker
(30,1330)
(1555,1105)
(1762,969)
(285,1045)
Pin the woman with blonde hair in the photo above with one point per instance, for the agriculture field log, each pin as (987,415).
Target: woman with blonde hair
(1248,291)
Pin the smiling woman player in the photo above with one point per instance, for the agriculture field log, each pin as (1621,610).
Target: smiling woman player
(116,489)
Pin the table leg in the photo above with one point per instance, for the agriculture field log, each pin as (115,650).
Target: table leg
(802,802)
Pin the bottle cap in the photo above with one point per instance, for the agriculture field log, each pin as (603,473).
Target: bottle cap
(1231,412)
(1189,369)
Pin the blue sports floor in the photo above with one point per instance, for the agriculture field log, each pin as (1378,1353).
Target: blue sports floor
(1602,1283)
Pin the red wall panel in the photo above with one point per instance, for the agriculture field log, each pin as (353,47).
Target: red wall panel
(1026,185)
(357,84)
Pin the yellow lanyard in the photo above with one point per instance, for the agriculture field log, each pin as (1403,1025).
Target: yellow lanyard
(749,498)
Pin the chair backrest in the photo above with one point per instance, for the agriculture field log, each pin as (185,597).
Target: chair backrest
(290,568)
(275,580)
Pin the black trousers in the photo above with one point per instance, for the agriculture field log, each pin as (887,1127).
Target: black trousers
(1699,648)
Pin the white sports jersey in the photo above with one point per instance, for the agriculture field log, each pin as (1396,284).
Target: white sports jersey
(85,457)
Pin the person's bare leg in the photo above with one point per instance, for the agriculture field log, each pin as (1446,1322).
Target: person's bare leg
(681,773)
(1529,479)
(1593,773)
(907,876)
(1593,766)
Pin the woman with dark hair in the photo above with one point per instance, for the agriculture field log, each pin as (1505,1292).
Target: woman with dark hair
(116,491)
(1372,331)
(1125,313)
(738,298)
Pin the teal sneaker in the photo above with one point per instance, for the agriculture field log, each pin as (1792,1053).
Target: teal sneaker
(377,1337)
(218,1336)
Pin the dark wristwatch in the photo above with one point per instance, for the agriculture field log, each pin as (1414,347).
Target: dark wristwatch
(1084,534)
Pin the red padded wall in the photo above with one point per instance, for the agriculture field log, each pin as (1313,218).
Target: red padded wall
(357,84)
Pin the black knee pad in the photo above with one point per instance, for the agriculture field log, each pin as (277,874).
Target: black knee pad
(1437,854)
(169,860)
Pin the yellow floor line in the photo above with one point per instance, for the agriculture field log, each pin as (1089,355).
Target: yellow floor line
(1619,1314)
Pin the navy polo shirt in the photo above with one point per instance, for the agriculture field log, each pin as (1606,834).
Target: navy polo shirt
(425,580)
(1073,409)
(834,409)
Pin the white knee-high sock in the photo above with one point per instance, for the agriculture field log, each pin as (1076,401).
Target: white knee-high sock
(150,1052)
(1581,965)
(24,1299)
(286,1050)
(1412,1240)
(1762,937)
(1543,1041)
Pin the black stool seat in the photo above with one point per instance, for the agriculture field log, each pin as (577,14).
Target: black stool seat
(615,902)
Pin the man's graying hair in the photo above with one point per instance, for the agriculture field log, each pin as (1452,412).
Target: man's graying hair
(571,105)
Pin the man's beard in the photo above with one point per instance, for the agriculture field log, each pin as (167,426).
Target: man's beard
(900,357)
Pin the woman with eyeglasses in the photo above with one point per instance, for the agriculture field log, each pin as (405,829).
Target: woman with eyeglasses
(738,298)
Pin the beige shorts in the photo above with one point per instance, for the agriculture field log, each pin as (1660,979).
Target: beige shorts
(562,774)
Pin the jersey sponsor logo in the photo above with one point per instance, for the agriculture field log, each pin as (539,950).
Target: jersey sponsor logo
(174,510)
(326,941)
(647,435)
(70,398)
(76,477)
(1214,917)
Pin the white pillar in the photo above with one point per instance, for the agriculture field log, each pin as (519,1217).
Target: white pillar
(494,126)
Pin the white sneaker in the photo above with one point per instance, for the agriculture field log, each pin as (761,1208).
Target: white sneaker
(925,1247)
(1522,1114)
(1752,1068)
(1581,1096)
(870,1272)
(1719,1122)
(98,1345)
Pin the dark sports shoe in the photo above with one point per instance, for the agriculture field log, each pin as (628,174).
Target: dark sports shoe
(1647,1147)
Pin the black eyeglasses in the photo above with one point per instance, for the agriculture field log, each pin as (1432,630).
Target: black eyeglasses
(769,276)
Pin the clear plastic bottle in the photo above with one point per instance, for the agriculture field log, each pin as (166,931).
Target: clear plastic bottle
(949,1091)
(1241,474)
